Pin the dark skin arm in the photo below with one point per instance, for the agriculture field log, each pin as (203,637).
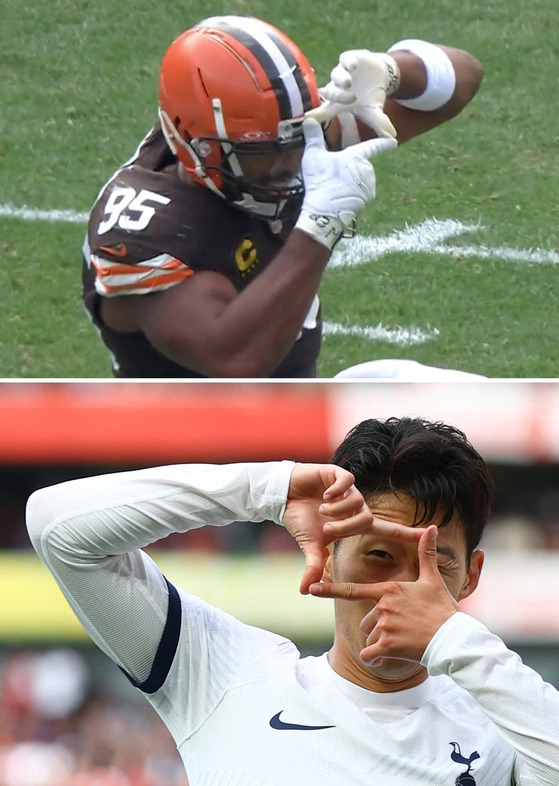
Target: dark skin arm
(409,122)
(206,325)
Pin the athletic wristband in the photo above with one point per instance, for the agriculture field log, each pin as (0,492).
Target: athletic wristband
(392,72)
(324,229)
(441,77)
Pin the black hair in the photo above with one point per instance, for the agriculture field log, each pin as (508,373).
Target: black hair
(431,462)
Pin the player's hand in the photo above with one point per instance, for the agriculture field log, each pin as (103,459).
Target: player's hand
(407,614)
(323,505)
(359,84)
(338,184)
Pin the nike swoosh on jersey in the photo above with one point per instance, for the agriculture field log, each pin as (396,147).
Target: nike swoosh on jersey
(276,723)
(119,250)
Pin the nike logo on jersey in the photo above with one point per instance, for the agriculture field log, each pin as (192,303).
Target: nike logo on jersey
(119,250)
(276,723)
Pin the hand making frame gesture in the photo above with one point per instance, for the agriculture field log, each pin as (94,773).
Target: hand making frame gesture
(323,505)
(406,614)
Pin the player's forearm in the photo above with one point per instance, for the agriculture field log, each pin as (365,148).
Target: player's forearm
(248,335)
(86,520)
(524,708)
(468,74)
(259,327)
(435,84)
(89,533)
(449,91)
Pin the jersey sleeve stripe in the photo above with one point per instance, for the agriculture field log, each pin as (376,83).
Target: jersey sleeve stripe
(167,646)
(116,278)
(152,283)
(161,262)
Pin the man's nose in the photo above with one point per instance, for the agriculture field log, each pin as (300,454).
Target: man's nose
(287,165)
(408,571)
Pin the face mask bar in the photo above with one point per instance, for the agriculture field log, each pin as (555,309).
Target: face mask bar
(268,192)
(268,200)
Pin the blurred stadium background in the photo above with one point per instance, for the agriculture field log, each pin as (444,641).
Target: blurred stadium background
(67,715)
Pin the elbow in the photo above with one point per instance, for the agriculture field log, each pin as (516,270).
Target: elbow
(35,519)
(471,80)
(469,76)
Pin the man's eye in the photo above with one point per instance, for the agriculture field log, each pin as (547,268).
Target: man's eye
(380,554)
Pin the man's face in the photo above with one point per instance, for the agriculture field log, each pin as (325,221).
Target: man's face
(277,169)
(369,559)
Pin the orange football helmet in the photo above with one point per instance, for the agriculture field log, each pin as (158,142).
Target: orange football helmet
(235,85)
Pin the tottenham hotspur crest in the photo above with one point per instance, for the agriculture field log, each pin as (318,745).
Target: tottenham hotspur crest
(465,778)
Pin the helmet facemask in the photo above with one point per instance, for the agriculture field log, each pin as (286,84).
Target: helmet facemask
(217,162)
(264,199)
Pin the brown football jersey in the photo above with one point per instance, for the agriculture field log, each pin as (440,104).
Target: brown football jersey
(149,231)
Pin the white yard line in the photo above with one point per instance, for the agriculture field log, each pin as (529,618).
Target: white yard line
(534,256)
(428,237)
(420,238)
(54,216)
(406,337)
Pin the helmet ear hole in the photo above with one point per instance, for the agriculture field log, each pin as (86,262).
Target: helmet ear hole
(182,132)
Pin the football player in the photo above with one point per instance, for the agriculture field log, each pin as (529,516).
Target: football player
(412,691)
(205,250)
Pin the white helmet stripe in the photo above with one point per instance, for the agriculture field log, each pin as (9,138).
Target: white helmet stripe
(271,55)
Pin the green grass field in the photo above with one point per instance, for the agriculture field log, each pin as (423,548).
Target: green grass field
(78,90)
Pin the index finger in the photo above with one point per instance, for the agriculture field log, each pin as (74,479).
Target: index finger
(384,529)
(343,482)
(348,590)
(373,147)
(326,111)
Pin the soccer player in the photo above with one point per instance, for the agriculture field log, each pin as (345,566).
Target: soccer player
(205,250)
(413,690)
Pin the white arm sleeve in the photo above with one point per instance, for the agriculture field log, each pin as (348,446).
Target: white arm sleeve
(89,533)
(524,708)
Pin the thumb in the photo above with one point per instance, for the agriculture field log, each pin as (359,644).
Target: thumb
(325,112)
(427,552)
(376,118)
(348,61)
(314,565)
(313,134)
(341,74)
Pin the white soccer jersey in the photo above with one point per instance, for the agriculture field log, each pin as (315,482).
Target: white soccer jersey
(241,704)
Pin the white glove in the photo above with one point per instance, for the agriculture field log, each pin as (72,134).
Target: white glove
(338,184)
(359,84)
